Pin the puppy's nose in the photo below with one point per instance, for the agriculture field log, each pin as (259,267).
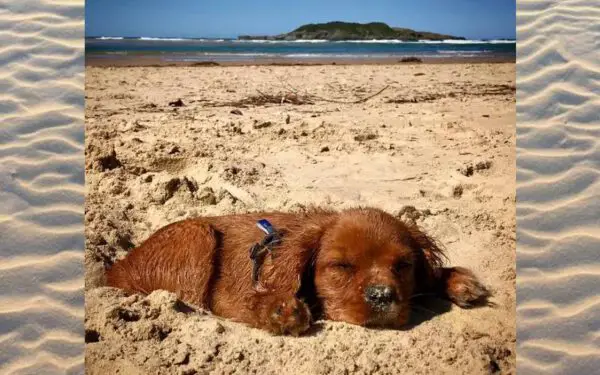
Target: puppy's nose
(379,295)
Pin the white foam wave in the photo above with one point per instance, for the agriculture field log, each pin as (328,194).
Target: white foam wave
(240,56)
(206,40)
(311,41)
(323,55)
(370,41)
(443,52)
(448,41)
(259,41)
(382,41)
(373,41)
(316,41)
(473,41)
(162,39)
(237,54)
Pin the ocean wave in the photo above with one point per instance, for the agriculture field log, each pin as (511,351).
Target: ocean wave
(279,41)
(314,41)
(217,56)
(162,39)
(237,54)
(382,41)
(336,55)
(147,38)
(310,41)
(317,55)
(372,41)
(456,52)
(233,55)
(260,41)
(468,41)
(449,41)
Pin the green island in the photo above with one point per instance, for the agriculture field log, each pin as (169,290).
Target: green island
(339,31)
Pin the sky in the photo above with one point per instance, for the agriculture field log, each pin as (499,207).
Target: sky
(472,19)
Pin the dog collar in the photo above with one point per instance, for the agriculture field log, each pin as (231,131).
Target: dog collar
(258,251)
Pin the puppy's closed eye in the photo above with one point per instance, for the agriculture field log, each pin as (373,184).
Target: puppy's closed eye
(402,265)
(342,266)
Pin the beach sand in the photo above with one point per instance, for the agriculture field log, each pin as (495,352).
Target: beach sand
(436,146)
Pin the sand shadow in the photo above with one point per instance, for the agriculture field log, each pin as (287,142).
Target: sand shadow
(425,309)
(422,311)
(315,329)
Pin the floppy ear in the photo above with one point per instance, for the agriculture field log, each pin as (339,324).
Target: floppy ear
(430,257)
(457,284)
(286,270)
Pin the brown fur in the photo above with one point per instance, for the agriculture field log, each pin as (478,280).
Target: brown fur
(326,258)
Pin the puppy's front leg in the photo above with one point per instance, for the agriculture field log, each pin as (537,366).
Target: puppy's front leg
(281,314)
(460,286)
(279,310)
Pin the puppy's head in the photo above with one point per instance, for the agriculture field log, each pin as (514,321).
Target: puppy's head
(368,267)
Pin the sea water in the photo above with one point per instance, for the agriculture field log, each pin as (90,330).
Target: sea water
(195,50)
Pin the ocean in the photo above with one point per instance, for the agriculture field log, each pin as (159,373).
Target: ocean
(233,50)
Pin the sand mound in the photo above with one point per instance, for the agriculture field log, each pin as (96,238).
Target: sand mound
(153,333)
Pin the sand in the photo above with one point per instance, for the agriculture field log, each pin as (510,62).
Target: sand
(558,187)
(41,187)
(436,146)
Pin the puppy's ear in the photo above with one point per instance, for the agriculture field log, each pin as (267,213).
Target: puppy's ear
(430,256)
(292,261)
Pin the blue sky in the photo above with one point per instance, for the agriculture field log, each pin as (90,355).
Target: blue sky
(472,19)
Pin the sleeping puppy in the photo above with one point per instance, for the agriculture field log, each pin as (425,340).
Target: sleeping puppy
(361,266)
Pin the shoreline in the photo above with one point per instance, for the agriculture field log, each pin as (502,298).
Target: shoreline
(138,61)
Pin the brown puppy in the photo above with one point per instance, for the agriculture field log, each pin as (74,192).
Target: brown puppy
(360,266)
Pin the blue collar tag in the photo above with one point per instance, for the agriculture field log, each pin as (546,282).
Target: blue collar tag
(259,250)
(265,226)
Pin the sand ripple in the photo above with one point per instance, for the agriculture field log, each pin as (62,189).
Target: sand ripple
(41,187)
(558,190)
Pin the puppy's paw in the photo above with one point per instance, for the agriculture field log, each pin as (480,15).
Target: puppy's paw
(290,316)
(463,288)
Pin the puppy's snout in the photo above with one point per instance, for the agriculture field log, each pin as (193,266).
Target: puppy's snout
(379,295)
